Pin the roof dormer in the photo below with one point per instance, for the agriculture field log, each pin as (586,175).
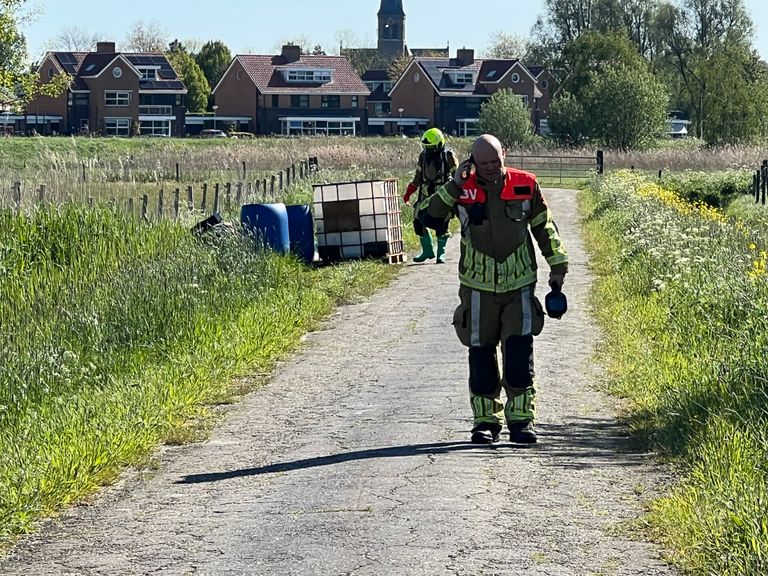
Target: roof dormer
(460,77)
(307,75)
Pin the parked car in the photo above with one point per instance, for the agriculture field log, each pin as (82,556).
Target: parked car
(209,133)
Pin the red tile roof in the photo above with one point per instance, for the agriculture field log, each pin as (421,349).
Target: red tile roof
(266,73)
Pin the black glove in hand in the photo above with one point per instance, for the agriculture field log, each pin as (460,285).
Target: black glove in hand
(556,281)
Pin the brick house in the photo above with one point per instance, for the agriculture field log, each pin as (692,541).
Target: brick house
(112,94)
(294,93)
(448,92)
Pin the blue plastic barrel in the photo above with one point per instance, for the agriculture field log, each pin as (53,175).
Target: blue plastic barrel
(301,231)
(268,223)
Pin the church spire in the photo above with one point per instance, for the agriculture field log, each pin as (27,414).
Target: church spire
(391,42)
(391,8)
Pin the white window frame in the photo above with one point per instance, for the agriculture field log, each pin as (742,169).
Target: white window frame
(117,126)
(524,98)
(117,98)
(148,73)
(463,78)
(308,75)
(155,127)
(515,77)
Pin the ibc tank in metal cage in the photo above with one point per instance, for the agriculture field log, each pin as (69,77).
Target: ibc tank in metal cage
(358,220)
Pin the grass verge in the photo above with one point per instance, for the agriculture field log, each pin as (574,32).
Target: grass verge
(682,295)
(116,335)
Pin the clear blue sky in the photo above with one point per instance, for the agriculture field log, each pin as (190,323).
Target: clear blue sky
(257,26)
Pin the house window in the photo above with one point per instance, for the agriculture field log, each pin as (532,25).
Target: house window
(330,102)
(544,84)
(155,127)
(354,101)
(463,78)
(50,72)
(300,101)
(117,126)
(303,75)
(382,108)
(148,73)
(515,78)
(117,98)
(524,98)
(275,101)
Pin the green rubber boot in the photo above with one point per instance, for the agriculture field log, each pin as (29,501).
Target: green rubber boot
(441,242)
(427,251)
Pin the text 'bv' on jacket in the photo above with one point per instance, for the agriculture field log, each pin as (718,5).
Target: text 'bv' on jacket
(497,220)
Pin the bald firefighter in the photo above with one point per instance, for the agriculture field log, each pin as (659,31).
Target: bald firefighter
(435,167)
(500,210)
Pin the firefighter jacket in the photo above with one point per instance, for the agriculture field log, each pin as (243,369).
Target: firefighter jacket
(433,169)
(497,221)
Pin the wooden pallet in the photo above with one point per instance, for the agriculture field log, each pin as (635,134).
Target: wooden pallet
(399,258)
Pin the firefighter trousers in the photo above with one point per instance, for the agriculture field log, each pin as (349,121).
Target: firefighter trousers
(485,321)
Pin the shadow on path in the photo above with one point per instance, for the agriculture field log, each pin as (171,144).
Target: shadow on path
(581,443)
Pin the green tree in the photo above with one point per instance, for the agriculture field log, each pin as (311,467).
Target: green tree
(567,120)
(695,37)
(626,108)
(506,116)
(214,59)
(503,45)
(198,90)
(17,85)
(592,53)
(397,67)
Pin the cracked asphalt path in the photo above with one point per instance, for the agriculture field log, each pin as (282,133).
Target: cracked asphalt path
(354,460)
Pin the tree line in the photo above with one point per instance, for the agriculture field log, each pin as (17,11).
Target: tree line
(621,65)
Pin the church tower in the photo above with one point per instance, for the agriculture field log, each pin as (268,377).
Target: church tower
(391,29)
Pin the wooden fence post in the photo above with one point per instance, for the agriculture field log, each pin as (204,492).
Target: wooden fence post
(239,194)
(145,208)
(178,172)
(17,197)
(280,180)
(600,162)
(190,199)
(228,195)
(160,204)
(205,197)
(756,186)
(41,194)
(216,197)
(244,171)
(176,203)
(264,187)
(764,178)
(130,206)
(272,185)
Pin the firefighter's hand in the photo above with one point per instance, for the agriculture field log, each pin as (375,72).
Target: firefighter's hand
(556,280)
(409,192)
(462,173)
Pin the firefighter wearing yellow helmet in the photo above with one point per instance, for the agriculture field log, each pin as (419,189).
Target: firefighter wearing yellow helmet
(435,167)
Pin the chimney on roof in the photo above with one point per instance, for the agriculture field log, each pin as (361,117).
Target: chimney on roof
(465,56)
(291,52)
(105,47)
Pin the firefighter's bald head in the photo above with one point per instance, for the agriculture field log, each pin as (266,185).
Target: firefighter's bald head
(489,157)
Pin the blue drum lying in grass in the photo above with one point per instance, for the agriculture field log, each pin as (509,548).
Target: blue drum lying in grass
(268,224)
(301,231)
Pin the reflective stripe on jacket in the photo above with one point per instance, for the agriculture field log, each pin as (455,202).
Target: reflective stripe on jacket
(497,221)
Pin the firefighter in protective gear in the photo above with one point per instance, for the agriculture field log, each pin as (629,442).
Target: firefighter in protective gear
(434,168)
(499,209)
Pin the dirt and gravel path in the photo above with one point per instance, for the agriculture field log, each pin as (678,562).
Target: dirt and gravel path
(355,460)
